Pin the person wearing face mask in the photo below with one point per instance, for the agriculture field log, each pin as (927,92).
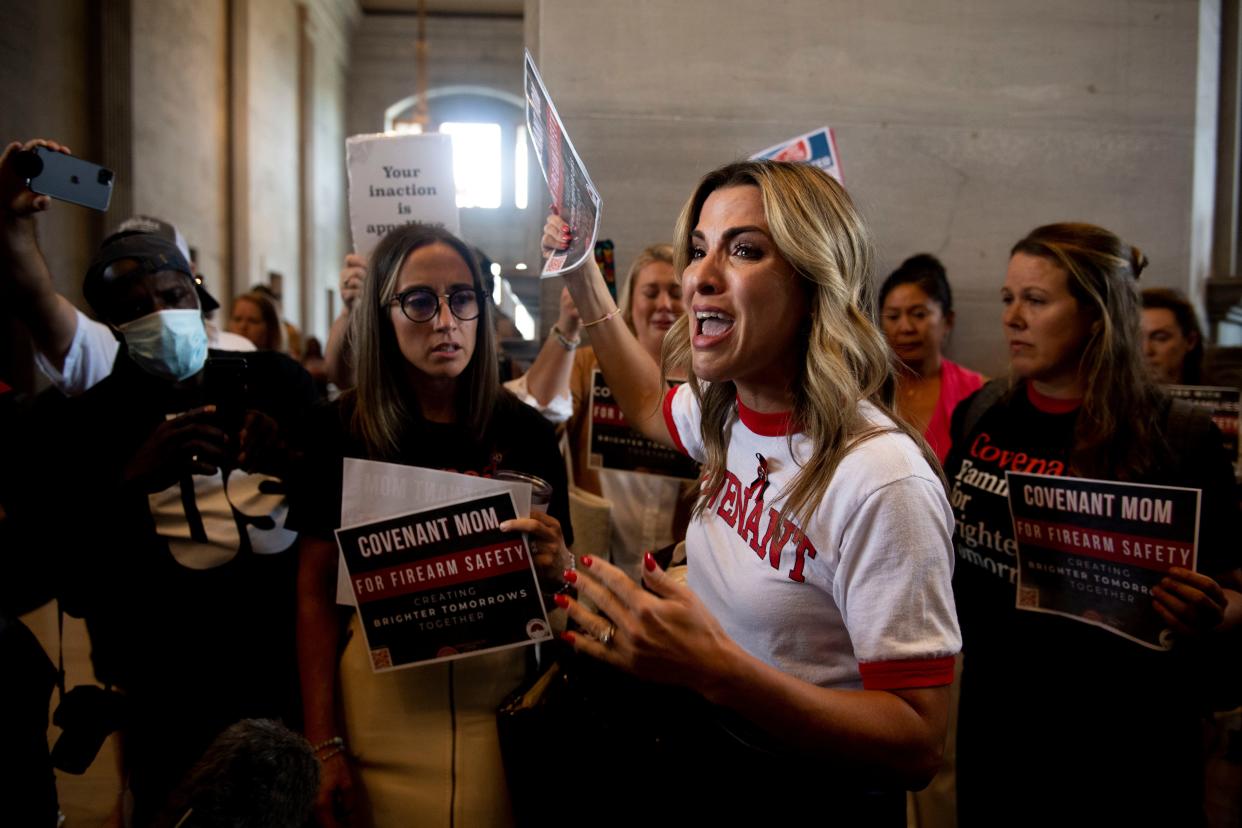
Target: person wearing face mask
(72,350)
(172,471)
(916,314)
(1063,721)
(648,511)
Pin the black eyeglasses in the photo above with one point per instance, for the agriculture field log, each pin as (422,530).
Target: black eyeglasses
(420,304)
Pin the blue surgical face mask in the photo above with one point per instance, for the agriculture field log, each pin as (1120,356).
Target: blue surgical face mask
(172,344)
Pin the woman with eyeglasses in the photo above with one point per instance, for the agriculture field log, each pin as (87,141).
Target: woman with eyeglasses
(421,741)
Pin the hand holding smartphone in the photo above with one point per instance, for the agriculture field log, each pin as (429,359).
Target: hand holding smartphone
(226,385)
(64,177)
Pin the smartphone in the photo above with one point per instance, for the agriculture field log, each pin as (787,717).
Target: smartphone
(66,178)
(226,384)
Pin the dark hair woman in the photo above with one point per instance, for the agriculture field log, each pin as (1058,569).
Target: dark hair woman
(1172,341)
(916,314)
(424,740)
(1048,703)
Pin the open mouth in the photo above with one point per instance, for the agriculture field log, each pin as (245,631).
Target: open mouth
(712,324)
(446,348)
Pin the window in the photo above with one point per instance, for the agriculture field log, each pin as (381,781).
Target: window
(476,163)
(519,169)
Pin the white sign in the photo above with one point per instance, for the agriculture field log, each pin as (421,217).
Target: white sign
(396,180)
(372,491)
(569,183)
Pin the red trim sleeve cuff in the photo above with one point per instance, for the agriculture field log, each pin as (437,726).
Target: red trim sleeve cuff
(670,422)
(908,674)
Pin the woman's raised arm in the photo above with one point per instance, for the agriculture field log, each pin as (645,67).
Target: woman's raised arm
(632,374)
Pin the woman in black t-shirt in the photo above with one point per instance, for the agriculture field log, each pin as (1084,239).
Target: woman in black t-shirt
(427,395)
(1063,722)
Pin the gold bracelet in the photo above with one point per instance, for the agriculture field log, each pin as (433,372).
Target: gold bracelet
(603,318)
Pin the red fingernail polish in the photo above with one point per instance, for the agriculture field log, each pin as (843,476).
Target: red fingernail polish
(561,601)
(570,576)
(586,560)
(567,637)
(649,562)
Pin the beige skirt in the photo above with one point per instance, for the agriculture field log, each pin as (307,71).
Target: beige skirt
(425,737)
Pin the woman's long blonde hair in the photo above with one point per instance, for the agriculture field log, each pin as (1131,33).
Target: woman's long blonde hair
(385,399)
(625,299)
(1116,434)
(845,357)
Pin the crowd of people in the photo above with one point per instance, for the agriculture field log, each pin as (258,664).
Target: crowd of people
(847,539)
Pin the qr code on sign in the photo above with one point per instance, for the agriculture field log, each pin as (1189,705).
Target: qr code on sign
(381,659)
(1028,597)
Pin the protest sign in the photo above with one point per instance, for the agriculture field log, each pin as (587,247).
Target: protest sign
(443,583)
(573,194)
(371,490)
(614,445)
(396,180)
(1221,402)
(1092,549)
(818,147)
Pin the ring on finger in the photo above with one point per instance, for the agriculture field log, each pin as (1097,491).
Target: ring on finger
(605,637)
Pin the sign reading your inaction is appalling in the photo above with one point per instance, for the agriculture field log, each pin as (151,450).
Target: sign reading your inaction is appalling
(443,583)
(396,180)
(614,445)
(1092,550)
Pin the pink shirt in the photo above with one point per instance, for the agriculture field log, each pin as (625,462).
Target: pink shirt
(956,384)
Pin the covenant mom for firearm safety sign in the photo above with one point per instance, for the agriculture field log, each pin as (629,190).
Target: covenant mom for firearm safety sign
(1093,549)
(443,583)
(614,445)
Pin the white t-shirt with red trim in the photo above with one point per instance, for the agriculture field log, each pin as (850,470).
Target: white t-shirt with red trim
(863,596)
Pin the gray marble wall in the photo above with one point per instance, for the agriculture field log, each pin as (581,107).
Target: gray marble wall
(183,117)
(961,125)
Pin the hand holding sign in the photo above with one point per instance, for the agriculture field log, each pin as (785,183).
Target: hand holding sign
(573,194)
(396,180)
(352,275)
(445,582)
(1190,603)
(1120,556)
(550,553)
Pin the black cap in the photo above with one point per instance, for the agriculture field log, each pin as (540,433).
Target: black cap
(168,231)
(152,253)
